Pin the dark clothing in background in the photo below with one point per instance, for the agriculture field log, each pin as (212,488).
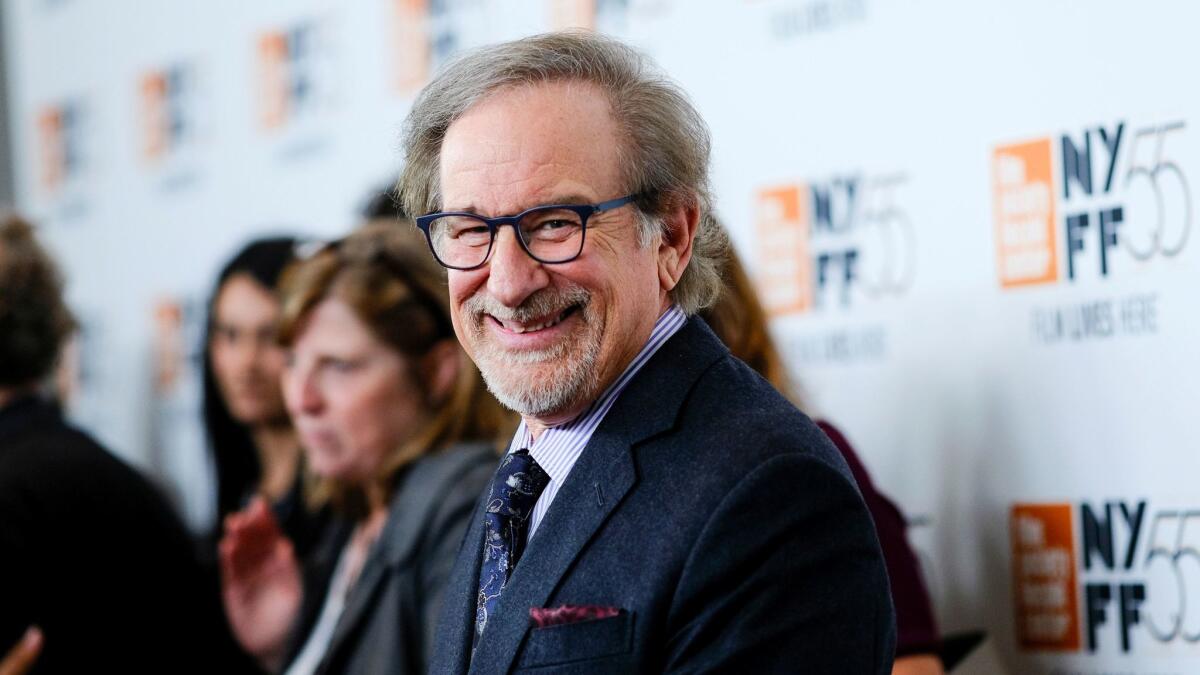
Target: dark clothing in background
(391,612)
(92,553)
(916,628)
(302,525)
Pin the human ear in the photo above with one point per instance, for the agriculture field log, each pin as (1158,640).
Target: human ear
(680,224)
(439,368)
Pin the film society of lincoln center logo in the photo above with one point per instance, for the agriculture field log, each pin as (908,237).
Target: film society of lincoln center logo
(1089,204)
(832,243)
(61,153)
(295,73)
(1114,576)
(168,99)
(411,43)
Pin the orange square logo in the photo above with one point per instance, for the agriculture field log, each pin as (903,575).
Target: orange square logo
(51,133)
(411,46)
(1023,204)
(273,79)
(154,115)
(1043,559)
(784,266)
(566,14)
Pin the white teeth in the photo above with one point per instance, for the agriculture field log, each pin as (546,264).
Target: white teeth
(518,328)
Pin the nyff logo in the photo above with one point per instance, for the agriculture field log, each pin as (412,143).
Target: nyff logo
(295,78)
(1120,200)
(1106,576)
(832,242)
(168,110)
(60,144)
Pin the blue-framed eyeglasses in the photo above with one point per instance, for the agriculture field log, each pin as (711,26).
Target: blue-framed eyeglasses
(550,234)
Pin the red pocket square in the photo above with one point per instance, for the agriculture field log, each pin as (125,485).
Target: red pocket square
(554,616)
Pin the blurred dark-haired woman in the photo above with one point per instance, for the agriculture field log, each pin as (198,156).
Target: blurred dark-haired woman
(255,448)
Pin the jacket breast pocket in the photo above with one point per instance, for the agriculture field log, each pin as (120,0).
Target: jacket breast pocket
(583,642)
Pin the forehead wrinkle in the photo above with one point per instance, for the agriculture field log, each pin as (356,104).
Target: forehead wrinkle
(540,183)
(510,164)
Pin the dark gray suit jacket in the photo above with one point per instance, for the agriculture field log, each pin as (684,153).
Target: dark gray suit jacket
(388,623)
(716,517)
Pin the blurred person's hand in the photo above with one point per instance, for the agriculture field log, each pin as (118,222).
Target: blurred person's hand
(260,582)
(20,658)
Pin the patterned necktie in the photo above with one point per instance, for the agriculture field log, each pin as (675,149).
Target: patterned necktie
(515,489)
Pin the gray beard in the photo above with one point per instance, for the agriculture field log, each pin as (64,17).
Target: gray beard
(574,377)
(572,381)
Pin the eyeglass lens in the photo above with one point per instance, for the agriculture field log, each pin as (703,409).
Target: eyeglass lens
(551,235)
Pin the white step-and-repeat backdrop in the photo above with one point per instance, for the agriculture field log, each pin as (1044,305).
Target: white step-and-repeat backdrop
(972,224)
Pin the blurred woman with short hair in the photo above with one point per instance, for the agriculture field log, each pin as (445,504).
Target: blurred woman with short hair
(397,425)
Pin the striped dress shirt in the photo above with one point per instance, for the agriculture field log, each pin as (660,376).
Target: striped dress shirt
(559,447)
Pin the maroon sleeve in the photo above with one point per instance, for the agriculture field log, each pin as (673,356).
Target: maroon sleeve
(916,628)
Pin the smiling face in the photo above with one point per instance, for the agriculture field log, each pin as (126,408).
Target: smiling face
(245,359)
(353,399)
(548,338)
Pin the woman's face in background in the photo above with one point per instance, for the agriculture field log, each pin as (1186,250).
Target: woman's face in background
(246,361)
(352,398)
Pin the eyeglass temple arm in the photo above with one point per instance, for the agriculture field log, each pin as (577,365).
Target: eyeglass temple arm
(614,203)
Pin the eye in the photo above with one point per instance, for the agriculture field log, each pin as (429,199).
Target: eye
(343,366)
(462,231)
(551,225)
(473,236)
(226,334)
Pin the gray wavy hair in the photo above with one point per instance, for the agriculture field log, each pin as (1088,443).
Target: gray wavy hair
(664,149)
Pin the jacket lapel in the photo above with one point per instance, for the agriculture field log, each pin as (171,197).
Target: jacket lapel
(359,601)
(457,621)
(599,481)
(412,507)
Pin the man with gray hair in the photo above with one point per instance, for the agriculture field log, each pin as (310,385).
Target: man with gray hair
(661,507)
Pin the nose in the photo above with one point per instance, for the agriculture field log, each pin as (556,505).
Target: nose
(255,352)
(512,274)
(242,354)
(301,391)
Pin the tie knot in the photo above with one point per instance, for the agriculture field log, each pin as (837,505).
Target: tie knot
(518,483)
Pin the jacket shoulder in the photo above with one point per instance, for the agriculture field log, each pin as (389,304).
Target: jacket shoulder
(446,479)
(435,497)
(59,461)
(735,416)
(453,462)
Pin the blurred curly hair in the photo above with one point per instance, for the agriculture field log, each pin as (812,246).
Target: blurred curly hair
(34,319)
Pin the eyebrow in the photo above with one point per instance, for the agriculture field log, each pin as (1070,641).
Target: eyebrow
(571,199)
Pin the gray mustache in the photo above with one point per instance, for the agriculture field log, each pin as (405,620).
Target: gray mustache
(535,306)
